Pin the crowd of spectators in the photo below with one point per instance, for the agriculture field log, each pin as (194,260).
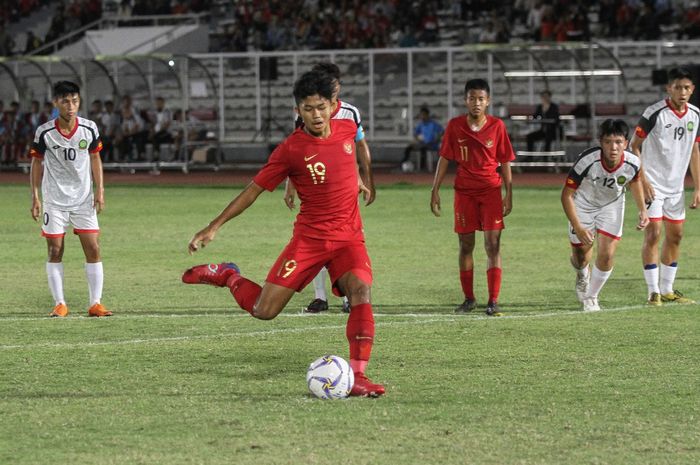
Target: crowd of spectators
(255,25)
(125,130)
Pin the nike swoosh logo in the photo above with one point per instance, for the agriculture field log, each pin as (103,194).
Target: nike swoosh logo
(310,157)
(462,140)
(498,221)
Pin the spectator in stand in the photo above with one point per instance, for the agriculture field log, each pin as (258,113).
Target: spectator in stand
(426,136)
(132,130)
(95,112)
(16,139)
(647,26)
(35,117)
(408,37)
(50,110)
(7,43)
(547,25)
(32,43)
(534,19)
(111,125)
(547,111)
(162,119)
(429,32)
(690,22)
(488,34)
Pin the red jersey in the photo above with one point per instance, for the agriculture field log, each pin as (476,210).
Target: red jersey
(477,153)
(324,172)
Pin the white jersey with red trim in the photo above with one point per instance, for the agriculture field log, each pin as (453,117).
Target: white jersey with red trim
(597,186)
(67,179)
(669,137)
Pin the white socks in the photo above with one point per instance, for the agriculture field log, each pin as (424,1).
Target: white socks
(95,279)
(667,277)
(598,279)
(651,276)
(320,284)
(54,272)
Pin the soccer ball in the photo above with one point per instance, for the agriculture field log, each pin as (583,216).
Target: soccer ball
(330,377)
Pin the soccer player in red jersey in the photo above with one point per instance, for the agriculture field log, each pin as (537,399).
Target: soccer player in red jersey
(478,143)
(319,158)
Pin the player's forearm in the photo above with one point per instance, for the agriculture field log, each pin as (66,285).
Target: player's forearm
(440,172)
(97,173)
(638,195)
(238,205)
(695,167)
(507,176)
(567,201)
(364,159)
(35,178)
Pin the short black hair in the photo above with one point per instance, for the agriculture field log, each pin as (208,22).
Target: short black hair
(312,83)
(328,68)
(614,127)
(477,84)
(62,88)
(680,73)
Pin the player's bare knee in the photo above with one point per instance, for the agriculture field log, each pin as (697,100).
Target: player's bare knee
(652,236)
(55,253)
(493,247)
(262,312)
(359,294)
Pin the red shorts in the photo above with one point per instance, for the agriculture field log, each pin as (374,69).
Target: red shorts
(303,258)
(478,212)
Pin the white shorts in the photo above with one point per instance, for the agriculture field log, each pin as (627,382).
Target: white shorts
(55,222)
(607,220)
(669,208)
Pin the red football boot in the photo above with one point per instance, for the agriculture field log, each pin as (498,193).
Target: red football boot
(215,275)
(363,387)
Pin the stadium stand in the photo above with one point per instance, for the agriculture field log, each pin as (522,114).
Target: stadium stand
(245,113)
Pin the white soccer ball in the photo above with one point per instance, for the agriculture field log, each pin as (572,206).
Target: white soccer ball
(330,377)
(408,166)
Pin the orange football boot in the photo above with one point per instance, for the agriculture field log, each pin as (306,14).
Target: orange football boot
(98,310)
(59,311)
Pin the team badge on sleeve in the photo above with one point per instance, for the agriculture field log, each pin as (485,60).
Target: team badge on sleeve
(82,144)
(348,148)
(621,180)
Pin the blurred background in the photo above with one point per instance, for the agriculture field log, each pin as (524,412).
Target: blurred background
(206,84)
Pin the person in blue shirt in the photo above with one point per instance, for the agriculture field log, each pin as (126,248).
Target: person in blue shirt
(426,136)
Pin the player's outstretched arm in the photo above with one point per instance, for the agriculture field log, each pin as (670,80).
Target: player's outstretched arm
(364,159)
(237,206)
(507,176)
(638,195)
(35,184)
(440,172)
(98,179)
(695,173)
(636,148)
(567,201)
(289,194)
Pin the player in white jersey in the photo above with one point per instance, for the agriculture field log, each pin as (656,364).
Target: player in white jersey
(69,147)
(340,110)
(594,201)
(666,139)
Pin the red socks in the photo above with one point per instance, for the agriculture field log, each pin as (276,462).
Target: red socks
(467,280)
(493,277)
(360,334)
(245,291)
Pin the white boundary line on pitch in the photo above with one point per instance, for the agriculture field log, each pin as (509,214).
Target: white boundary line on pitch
(241,314)
(415,318)
(69,345)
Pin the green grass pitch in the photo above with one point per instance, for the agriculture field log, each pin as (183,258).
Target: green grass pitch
(180,375)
